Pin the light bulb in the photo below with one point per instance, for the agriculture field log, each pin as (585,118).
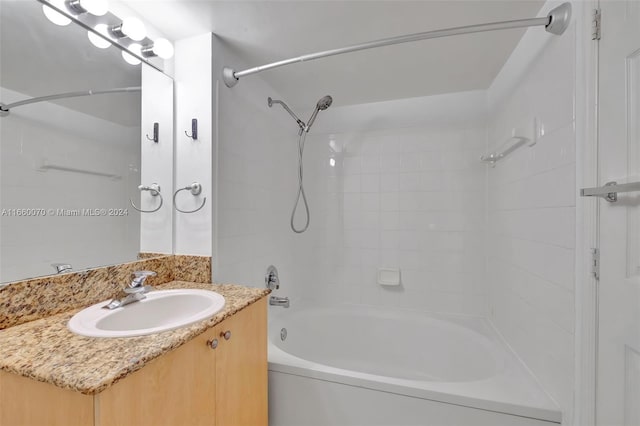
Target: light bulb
(95,7)
(163,48)
(133,28)
(128,57)
(55,16)
(96,40)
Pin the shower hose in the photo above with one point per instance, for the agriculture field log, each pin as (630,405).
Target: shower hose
(301,140)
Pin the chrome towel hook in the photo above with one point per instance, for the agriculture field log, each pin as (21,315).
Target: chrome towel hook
(154,189)
(195,188)
(194,130)
(156,127)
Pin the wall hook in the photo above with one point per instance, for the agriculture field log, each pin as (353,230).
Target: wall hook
(154,189)
(195,188)
(194,130)
(156,127)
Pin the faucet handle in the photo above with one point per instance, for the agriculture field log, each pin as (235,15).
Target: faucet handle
(271,279)
(62,267)
(140,277)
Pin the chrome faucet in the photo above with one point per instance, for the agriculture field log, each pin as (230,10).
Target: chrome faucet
(272,282)
(135,292)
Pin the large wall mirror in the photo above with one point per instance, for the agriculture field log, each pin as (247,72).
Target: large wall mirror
(76,170)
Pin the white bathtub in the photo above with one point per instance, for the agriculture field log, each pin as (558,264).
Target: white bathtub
(358,365)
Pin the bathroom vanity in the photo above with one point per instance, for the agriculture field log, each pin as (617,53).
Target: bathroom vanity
(210,373)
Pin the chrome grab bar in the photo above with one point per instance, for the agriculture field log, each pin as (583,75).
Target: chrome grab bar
(610,190)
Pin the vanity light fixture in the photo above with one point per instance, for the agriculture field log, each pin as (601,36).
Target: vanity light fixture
(94,7)
(130,27)
(104,29)
(55,16)
(161,47)
(98,41)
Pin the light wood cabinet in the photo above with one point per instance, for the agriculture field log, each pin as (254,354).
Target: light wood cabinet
(192,385)
(241,369)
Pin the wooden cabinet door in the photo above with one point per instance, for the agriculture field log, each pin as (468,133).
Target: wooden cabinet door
(241,368)
(176,389)
(26,402)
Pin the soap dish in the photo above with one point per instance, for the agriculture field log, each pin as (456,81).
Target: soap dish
(389,277)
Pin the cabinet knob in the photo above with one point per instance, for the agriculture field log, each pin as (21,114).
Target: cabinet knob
(226,335)
(213,343)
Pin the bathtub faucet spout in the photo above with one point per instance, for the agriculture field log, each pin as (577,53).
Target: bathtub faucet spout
(279,301)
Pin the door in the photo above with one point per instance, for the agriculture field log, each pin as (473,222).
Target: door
(618,379)
(241,368)
(177,388)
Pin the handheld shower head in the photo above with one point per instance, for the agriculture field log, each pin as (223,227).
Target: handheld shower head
(324,103)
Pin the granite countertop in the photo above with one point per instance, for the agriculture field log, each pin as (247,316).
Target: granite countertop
(45,350)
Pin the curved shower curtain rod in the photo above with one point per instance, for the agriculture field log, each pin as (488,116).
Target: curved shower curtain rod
(556,22)
(6,108)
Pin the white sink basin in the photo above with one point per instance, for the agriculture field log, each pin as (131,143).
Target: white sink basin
(162,310)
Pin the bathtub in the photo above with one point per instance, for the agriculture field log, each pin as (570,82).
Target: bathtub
(360,365)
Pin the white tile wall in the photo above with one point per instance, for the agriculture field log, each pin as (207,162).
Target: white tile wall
(411,198)
(39,133)
(405,197)
(531,232)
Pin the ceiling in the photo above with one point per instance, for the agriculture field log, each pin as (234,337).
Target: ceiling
(39,58)
(265,31)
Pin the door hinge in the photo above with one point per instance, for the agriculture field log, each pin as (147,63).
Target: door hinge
(596,25)
(595,263)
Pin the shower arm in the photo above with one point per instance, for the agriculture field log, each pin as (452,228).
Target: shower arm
(293,114)
(6,108)
(556,22)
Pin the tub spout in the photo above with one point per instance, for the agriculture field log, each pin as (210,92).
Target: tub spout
(279,301)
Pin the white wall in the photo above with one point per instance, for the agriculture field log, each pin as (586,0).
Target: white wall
(407,191)
(156,229)
(255,181)
(531,201)
(50,134)
(194,99)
